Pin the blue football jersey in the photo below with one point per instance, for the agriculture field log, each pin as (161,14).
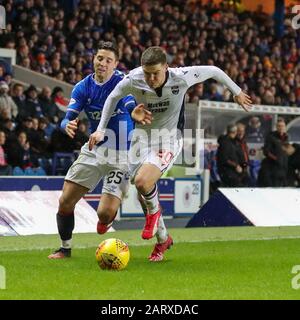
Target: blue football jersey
(89,96)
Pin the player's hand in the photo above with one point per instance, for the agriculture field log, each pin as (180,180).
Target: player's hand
(243,100)
(141,115)
(71,128)
(95,138)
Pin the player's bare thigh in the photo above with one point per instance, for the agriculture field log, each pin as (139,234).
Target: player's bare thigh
(108,207)
(147,175)
(71,194)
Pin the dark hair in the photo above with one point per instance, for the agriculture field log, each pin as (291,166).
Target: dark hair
(17,85)
(280,120)
(152,56)
(56,90)
(107,45)
(231,128)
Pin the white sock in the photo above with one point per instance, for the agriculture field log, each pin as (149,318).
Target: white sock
(143,203)
(161,233)
(66,244)
(151,199)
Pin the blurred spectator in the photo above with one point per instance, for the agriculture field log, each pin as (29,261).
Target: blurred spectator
(8,109)
(230,159)
(19,153)
(5,168)
(38,139)
(47,127)
(48,106)
(19,99)
(293,152)
(273,171)
(244,151)
(254,131)
(8,126)
(26,126)
(280,132)
(60,101)
(33,106)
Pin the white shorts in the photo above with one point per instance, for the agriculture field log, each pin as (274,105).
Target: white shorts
(90,168)
(162,157)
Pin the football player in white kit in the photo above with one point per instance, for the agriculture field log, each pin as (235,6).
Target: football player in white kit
(161,92)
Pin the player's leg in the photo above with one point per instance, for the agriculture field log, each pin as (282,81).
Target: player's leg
(83,175)
(107,211)
(115,186)
(164,240)
(71,194)
(145,181)
(161,233)
(155,164)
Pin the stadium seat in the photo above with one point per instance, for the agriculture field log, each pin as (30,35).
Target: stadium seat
(17,171)
(61,162)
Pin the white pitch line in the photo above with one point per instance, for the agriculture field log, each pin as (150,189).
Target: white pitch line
(132,244)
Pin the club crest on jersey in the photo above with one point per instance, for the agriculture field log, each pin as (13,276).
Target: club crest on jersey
(72,101)
(175,89)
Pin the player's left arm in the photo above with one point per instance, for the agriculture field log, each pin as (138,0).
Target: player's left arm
(129,103)
(70,122)
(197,74)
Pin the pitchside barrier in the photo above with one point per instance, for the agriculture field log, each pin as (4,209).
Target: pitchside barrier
(28,205)
(263,207)
(34,212)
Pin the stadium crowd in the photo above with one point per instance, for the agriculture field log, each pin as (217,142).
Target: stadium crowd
(58,37)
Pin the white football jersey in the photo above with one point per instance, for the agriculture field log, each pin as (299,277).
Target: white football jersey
(167,107)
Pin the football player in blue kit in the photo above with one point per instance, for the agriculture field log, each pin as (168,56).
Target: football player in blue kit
(89,95)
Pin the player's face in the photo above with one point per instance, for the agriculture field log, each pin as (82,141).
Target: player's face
(155,75)
(104,64)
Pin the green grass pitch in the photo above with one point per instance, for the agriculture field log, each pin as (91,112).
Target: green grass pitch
(204,263)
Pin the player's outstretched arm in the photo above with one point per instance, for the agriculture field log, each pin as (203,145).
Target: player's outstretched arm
(197,74)
(243,100)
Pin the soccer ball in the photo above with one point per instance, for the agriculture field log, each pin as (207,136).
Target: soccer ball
(112,254)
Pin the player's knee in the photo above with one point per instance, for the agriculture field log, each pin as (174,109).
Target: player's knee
(106,214)
(141,184)
(65,205)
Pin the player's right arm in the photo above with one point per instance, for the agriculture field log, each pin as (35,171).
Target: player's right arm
(70,123)
(121,90)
